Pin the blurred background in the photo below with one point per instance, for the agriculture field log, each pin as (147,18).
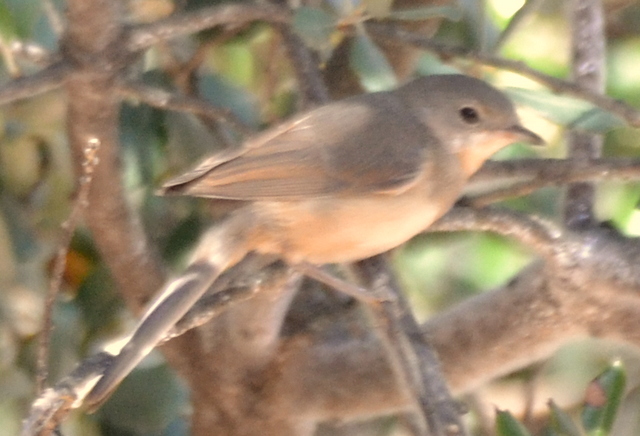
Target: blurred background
(248,72)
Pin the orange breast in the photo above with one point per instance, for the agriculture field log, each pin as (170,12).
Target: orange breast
(332,230)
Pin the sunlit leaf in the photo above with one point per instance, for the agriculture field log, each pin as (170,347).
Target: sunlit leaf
(602,399)
(314,26)
(238,63)
(378,8)
(561,422)
(8,28)
(507,425)
(565,110)
(222,93)
(370,64)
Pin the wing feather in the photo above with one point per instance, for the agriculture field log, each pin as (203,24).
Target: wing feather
(359,145)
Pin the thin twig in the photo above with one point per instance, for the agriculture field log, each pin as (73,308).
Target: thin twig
(310,81)
(534,174)
(516,22)
(145,35)
(68,227)
(32,52)
(588,71)
(560,170)
(24,87)
(52,406)
(620,108)
(162,99)
(55,17)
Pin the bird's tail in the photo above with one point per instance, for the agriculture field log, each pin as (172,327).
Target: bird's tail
(219,249)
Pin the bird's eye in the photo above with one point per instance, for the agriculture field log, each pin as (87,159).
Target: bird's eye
(469,115)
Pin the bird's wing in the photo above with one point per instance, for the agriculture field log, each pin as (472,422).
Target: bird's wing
(363,145)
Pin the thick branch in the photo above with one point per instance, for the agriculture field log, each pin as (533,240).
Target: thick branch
(540,236)
(93,43)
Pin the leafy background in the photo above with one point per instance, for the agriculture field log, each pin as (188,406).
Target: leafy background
(248,74)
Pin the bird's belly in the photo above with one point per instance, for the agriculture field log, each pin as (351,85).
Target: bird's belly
(344,230)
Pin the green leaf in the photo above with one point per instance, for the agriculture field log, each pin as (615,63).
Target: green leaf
(378,8)
(147,400)
(567,111)
(224,94)
(314,26)
(8,27)
(371,66)
(238,64)
(602,399)
(507,425)
(452,13)
(561,422)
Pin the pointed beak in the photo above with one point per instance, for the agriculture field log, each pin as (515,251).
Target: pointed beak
(521,134)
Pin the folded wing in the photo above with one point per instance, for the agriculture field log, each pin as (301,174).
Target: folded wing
(362,145)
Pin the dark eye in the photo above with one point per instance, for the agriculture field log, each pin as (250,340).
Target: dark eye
(469,115)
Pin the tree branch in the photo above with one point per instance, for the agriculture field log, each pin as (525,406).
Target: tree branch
(530,175)
(162,99)
(48,79)
(588,70)
(146,35)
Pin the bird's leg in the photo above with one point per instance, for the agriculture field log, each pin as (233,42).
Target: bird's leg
(317,273)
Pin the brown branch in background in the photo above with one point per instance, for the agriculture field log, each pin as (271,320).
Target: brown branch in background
(48,79)
(620,108)
(162,99)
(312,87)
(93,111)
(145,35)
(520,18)
(588,72)
(68,227)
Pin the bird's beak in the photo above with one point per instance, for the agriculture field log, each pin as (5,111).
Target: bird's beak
(521,134)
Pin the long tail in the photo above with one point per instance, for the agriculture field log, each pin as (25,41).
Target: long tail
(219,249)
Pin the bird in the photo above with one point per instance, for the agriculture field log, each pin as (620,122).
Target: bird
(339,183)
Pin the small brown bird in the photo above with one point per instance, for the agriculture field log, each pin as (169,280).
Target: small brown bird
(340,183)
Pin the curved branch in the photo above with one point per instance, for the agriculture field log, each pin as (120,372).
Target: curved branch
(539,235)
(145,35)
(48,79)
(162,99)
